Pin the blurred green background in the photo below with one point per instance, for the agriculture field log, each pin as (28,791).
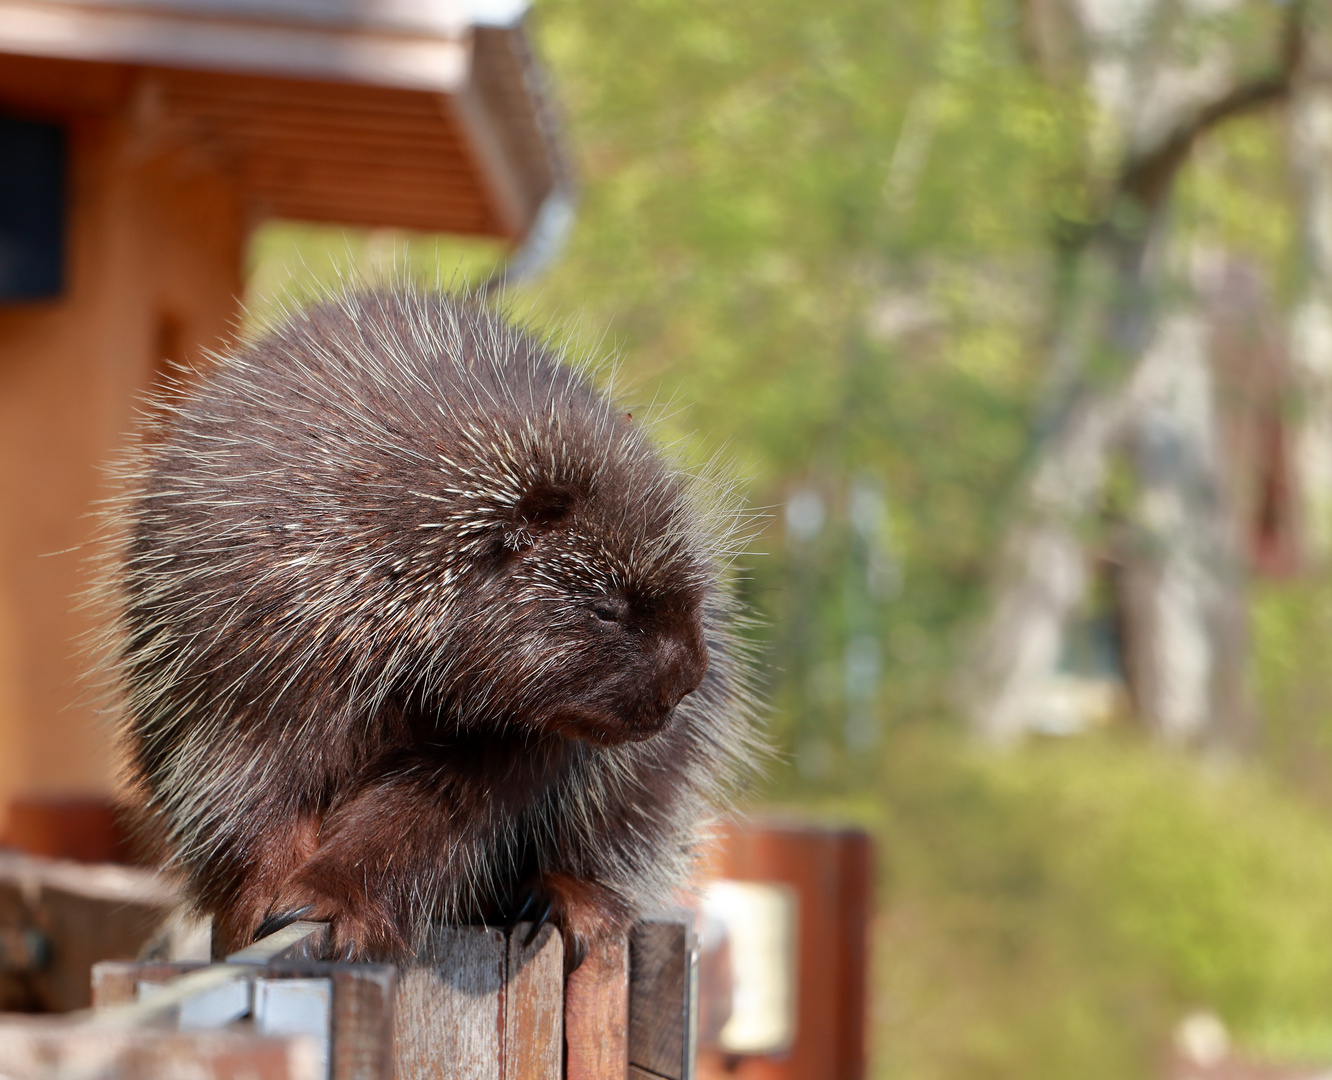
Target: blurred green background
(824,240)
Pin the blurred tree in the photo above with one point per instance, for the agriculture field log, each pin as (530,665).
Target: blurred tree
(1129,385)
(1311,323)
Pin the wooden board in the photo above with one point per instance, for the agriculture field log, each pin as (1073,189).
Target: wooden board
(534,1006)
(36,1048)
(448,1021)
(116,982)
(662,1021)
(480,1005)
(831,873)
(477,1004)
(363,1002)
(596,1014)
(83,913)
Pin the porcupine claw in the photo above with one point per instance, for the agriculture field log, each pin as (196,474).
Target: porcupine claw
(541,921)
(530,898)
(274,922)
(575,952)
(575,945)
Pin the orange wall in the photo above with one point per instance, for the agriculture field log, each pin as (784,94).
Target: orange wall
(154,262)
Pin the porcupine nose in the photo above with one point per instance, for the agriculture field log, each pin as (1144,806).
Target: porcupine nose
(681,665)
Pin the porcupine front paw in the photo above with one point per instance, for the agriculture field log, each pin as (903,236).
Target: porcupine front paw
(359,927)
(584,912)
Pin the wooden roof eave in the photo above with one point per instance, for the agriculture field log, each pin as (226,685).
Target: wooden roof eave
(231,38)
(462,96)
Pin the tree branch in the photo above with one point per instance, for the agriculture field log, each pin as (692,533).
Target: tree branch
(1147,176)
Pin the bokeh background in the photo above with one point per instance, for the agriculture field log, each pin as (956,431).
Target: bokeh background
(1014,322)
(882,257)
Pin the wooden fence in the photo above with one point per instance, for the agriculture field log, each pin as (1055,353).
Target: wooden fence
(478,1005)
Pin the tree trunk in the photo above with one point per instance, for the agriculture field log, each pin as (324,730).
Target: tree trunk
(1311,320)
(1183,595)
(1124,381)
(1043,574)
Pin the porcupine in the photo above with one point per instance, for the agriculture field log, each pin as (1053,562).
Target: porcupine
(414,625)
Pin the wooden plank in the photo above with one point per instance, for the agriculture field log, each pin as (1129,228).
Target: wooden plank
(229,91)
(431,131)
(534,1006)
(363,996)
(854,909)
(85,913)
(448,1018)
(363,1004)
(166,1003)
(17,993)
(428,20)
(298,941)
(181,997)
(369,55)
(82,930)
(300,1006)
(662,1018)
(347,152)
(116,982)
(830,872)
(596,1014)
(424,189)
(37,1048)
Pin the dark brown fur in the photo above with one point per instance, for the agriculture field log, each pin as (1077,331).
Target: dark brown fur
(414,625)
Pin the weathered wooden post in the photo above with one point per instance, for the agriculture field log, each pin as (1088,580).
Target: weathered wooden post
(479,1004)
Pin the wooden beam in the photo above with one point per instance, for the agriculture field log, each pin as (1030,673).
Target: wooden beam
(663,1017)
(37,1047)
(194,37)
(448,1019)
(596,1014)
(534,1006)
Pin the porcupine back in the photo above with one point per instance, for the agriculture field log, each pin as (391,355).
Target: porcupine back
(376,533)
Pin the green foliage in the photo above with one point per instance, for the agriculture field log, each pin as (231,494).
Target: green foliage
(1236,196)
(289,263)
(1055,911)
(1291,626)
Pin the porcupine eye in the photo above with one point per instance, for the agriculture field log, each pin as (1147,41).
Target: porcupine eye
(610,610)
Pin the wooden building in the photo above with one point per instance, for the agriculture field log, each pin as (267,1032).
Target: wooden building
(141,141)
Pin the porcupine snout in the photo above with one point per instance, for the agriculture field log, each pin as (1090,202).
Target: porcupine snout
(680,666)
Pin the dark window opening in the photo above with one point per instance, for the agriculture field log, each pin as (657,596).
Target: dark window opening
(32,209)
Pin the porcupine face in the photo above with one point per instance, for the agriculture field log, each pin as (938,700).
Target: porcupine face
(589,590)
(626,633)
